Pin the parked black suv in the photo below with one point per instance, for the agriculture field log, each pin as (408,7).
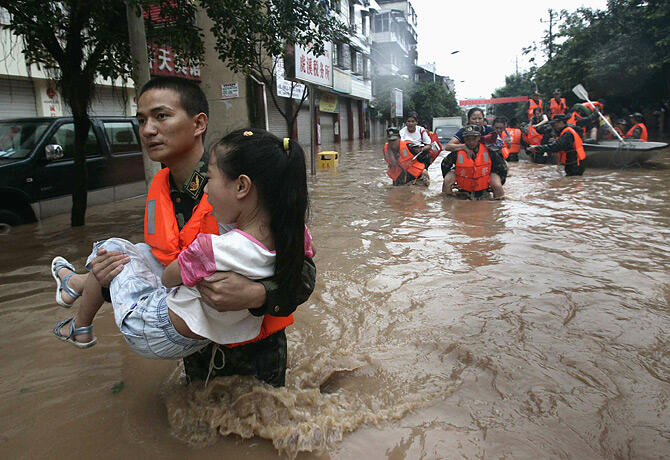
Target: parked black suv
(37,158)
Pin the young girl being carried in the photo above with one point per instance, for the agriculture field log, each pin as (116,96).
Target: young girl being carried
(258,183)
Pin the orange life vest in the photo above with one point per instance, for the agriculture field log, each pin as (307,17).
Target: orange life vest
(473,175)
(532,137)
(556,107)
(592,106)
(162,233)
(618,130)
(643,134)
(573,121)
(515,134)
(532,105)
(578,146)
(505,150)
(436,147)
(406,162)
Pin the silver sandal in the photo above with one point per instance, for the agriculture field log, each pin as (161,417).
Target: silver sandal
(56,264)
(74,332)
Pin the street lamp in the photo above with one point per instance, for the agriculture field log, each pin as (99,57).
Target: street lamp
(454,52)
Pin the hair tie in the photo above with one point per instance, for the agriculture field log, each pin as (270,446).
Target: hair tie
(286,145)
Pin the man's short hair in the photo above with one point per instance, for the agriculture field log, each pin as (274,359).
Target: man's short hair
(191,96)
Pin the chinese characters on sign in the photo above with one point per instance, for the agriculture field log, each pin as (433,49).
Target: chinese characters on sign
(314,69)
(396,102)
(284,86)
(229,90)
(162,61)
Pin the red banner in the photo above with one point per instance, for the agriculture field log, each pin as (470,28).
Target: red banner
(162,61)
(497,100)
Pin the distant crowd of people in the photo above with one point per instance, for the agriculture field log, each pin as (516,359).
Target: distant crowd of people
(476,163)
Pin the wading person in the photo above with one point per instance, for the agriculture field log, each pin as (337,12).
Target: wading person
(172,114)
(639,129)
(487,136)
(403,165)
(514,135)
(470,169)
(251,174)
(568,145)
(413,132)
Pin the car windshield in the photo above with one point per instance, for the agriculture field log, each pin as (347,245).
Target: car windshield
(446,132)
(18,138)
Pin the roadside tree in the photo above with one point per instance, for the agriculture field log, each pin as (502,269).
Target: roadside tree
(77,41)
(252,36)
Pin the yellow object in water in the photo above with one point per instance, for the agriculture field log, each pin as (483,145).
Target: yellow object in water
(328,159)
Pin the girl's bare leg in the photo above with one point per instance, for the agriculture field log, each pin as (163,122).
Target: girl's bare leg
(76,283)
(90,303)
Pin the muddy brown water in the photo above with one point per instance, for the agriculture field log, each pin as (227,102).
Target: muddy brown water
(535,327)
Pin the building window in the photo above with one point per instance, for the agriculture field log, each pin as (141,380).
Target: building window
(336,54)
(381,23)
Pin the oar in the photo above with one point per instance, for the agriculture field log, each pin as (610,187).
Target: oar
(581,93)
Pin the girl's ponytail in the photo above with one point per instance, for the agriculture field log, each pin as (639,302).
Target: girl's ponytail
(277,169)
(288,217)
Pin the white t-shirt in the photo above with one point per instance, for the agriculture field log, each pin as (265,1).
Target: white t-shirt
(234,251)
(419,134)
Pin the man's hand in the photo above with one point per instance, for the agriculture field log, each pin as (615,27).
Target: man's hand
(229,291)
(107,265)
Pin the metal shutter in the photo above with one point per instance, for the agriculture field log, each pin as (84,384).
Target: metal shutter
(17,98)
(108,102)
(275,119)
(354,114)
(304,133)
(327,133)
(344,117)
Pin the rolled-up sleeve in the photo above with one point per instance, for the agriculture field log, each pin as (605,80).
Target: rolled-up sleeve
(197,260)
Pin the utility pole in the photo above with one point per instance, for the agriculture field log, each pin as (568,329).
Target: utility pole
(138,50)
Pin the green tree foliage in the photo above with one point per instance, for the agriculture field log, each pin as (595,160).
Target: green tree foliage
(432,100)
(252,35)
(621,54)
(515,85)
(382,101)
(427,99)
(79,40)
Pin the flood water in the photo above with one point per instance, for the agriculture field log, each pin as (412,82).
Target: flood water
(534,327)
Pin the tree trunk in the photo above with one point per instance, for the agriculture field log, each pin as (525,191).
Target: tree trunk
(138,50)
(82,124)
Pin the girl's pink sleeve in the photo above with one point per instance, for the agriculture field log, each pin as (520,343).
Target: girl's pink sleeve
(197,260)
(309,251)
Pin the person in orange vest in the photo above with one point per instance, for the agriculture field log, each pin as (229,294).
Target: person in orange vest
(639,129)
(557,104)
(250,173)
(568,145)
(514,135)
(173,118)
(403,165)
(533,102)
(531,136)
(620,127)
(470,169)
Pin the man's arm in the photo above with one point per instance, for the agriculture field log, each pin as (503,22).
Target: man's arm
(229,291)
(281,303)
(564,142)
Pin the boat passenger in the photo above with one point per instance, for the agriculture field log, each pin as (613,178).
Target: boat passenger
(568,145)
(534,101)
(557,104)
(620,127)
(639,129)
(403,167)
(412,131)
(472,168)
(539,119)
(531,136)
